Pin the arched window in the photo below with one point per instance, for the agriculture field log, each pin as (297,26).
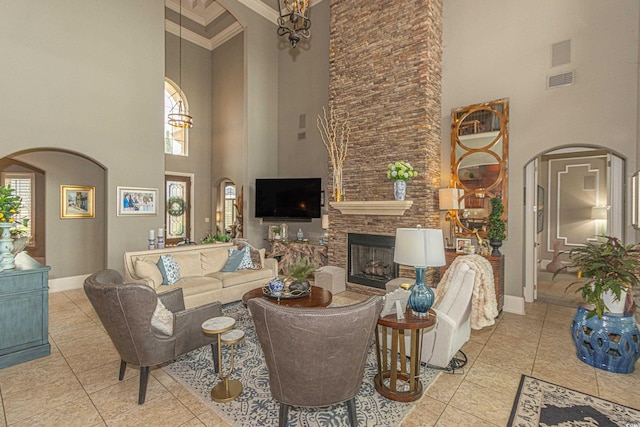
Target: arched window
(175,139)
(230,199)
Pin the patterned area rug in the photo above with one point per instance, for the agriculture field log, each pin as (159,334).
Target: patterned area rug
(539,403)
(256,407)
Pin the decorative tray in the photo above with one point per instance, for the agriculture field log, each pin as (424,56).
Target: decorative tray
(286,293)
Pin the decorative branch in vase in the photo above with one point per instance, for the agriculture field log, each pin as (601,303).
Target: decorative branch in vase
(335,137)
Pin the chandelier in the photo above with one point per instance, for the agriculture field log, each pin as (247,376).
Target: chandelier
(179,118)
(294,20)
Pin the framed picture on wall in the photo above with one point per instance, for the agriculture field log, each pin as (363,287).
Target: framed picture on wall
(137,201)
(77,201)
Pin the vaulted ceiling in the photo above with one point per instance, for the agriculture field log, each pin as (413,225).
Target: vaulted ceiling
(207,23)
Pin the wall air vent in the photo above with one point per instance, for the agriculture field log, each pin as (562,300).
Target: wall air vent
(562,79)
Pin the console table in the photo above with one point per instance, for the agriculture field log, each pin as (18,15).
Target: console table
(24,312)
(288,251)
(497,263)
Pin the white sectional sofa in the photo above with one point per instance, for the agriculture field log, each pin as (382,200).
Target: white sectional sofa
(200,277)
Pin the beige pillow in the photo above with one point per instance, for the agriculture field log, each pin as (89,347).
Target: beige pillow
(214,260)
(162,319)
(189,264)
(148,270)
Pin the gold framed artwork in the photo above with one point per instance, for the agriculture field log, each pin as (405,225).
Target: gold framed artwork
(77,201)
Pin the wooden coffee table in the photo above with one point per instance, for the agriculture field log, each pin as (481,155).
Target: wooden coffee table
(319,297)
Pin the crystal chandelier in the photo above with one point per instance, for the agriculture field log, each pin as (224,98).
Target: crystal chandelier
(294,20)
(177,116)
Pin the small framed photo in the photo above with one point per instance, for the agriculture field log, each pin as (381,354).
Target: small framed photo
(137,201)
(77,201)
(462,244)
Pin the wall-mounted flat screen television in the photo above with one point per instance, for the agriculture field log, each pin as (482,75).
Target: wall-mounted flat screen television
(288,198)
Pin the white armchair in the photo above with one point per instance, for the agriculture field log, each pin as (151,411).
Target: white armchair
(453,322)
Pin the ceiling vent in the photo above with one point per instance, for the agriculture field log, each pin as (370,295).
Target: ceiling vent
(562,79)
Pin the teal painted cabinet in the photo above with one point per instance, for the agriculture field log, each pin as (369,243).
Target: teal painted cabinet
(24,312)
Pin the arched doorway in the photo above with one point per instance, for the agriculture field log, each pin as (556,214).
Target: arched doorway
(71,246)
(572,195)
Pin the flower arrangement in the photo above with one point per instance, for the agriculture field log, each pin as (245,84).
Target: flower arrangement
(401,170)
(9,204)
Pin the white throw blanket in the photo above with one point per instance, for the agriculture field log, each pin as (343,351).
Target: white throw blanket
(484,307)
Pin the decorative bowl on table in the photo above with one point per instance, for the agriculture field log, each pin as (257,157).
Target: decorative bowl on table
(285,293)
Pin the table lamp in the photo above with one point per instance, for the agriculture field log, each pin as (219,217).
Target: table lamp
(419,248)
(451,200)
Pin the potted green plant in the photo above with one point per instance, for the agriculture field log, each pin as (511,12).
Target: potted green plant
(607,272)
(299,270)
(497,231)
(216,238)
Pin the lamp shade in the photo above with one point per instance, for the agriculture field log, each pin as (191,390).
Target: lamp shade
(451,198)
(419,247)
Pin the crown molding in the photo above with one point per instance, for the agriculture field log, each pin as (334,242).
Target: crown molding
(224,35)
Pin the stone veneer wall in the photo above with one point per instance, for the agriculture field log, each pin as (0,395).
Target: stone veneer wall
(385,63)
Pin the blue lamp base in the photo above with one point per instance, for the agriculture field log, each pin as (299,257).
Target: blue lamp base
(421,298)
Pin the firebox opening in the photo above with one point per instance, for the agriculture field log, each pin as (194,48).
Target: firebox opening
(370,259)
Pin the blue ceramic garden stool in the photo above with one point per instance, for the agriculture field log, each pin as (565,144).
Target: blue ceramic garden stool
(611,343)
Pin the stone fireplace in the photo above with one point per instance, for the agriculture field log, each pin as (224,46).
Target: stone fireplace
(389,84)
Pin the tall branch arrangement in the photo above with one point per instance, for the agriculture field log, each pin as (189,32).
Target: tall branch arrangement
(335,137)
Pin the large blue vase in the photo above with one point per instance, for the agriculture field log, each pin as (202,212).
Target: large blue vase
(421,298)
(611,343)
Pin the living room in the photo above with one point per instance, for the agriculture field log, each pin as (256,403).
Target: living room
(86,89)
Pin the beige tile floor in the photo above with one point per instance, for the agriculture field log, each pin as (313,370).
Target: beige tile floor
(78,384)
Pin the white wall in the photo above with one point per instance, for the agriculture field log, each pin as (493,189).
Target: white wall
(500,48)
(88,77)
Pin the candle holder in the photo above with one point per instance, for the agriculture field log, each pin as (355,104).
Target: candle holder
(160,243)
(152,244)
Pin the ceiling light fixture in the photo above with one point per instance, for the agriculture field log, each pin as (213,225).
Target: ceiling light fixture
(180,118)
(294,20)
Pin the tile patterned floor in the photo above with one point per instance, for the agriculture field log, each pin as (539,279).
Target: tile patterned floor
(78,384)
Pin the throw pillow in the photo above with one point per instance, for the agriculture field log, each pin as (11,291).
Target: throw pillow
(235,258)
(246,263)
(148,270)
(162,319)
(169,269)
(255,255)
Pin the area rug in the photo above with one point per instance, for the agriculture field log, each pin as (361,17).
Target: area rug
(539,403)
(256,407)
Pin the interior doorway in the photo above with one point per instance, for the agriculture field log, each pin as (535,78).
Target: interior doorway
(572,196)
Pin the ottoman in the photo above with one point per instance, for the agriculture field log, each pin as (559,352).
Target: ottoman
(331,278)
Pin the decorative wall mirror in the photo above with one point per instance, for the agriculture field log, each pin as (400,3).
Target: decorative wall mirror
(479,149)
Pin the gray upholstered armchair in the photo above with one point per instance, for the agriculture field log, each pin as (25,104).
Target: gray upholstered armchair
(126,310)
(315,357)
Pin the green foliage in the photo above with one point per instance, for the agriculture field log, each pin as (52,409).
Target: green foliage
(606,266)
(218,237)
(497,230)
(301,268)
(9,204)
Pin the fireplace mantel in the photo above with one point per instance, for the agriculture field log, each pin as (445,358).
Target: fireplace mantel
(384,207)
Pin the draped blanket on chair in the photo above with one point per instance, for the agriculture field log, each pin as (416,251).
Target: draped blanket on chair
(484,307)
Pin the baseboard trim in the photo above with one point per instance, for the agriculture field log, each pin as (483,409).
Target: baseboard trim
(67,283)
(513,304)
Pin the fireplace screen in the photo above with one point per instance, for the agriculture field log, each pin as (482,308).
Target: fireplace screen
(370,259)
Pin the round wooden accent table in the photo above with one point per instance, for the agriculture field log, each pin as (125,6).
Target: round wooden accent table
(397,382)
(319,297)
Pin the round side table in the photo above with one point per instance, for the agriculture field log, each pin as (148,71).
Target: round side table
(397,382)
(226,390)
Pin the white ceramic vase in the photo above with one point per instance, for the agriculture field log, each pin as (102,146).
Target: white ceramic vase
(399,189)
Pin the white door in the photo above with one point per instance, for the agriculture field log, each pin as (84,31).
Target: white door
(531,235)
